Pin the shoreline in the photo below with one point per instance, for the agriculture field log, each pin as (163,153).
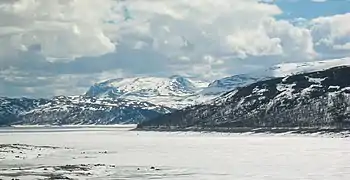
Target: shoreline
(344,132)
(71,126)
(301,131)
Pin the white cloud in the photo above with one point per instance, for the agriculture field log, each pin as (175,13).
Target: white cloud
(331,34)
(196,28)
(226,29)
(15,82)
(55,28)
(204,38)
(74,28)
(319,0)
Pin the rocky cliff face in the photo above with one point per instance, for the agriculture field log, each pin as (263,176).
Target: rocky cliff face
(317,99)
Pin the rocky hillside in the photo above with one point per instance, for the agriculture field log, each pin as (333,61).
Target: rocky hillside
(318,100)
(75,110)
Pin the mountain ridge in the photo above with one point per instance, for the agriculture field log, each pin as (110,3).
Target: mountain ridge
(318,99)
(65,110)
(178,92)
(225,84)
(150,97)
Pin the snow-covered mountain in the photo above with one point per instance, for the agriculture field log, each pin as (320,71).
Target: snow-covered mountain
(174,92)
(132,100)
(76,110)
(319,99)
(223,85)
(281,70)
(177,92)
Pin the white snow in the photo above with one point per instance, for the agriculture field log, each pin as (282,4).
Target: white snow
(287,69)
(316,80)
(281,70)
(259,91)
(229,83)
(286,90)
(346,89)
(333,87)
(117,154)
(174,92)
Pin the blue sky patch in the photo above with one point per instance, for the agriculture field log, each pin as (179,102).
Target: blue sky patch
(309,9)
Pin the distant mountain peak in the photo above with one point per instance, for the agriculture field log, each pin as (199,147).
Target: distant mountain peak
(165,91)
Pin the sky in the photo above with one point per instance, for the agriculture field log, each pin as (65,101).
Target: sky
(61,47)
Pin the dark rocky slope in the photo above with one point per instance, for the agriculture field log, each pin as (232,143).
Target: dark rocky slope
(75,110)
(310,100)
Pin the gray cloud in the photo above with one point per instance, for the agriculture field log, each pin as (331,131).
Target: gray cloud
(62,47)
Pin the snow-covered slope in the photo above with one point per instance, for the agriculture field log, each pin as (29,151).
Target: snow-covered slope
(281,70)
(174,92)
(228,83)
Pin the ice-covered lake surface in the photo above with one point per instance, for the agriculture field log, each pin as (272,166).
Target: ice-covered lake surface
(117,153)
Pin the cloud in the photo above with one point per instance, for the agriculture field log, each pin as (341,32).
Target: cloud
(57,29)
(332,34)
(16,82)
(186,32)
(319,1)
(194,29)
(49,46)
(66,29)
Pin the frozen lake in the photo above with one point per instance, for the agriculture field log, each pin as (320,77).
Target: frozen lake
(116,153)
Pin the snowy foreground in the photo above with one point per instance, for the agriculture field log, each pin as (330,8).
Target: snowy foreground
(117,153)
